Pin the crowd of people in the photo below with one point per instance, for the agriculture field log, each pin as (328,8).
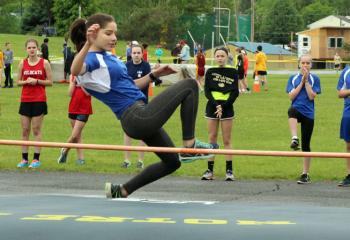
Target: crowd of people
(123,87)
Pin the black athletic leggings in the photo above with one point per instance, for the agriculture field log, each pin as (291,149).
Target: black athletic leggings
(307,127)
(8,77)
(145,121)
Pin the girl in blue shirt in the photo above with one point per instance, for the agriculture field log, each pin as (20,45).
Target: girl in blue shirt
(302,89)
(106,78)
(344,92)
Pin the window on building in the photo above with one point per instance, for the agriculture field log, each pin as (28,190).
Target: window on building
(335,42)
(339,42)
(305,42)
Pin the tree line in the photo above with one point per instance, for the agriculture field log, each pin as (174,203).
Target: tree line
(167,21)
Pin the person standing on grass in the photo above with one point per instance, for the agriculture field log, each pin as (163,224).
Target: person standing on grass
(34,74)
(8,55)
(337,62)
(239,65)
(302,89)
(106,78)
(344,92)
(1,65)
(79,112)
(137,68)
(245,68)
(184,55)
(260,66)
(221,90)
(45,49)
(200,67)
(144,52)
(159,53)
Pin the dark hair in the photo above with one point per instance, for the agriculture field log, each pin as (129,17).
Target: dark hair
(259,48)
(79,27)
(222,49)
(46,40)
(31,40)
(144,45)
(139,46)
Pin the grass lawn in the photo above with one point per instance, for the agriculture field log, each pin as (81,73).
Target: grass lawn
(260,124)
(56,47)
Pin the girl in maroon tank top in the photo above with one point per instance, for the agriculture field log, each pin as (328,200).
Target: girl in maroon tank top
(78,112)
(200,64)
(34,74)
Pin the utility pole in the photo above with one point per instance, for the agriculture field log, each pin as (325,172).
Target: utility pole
(237,23)
(252,21)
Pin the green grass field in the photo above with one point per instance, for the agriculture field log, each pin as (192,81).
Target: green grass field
(56,47)
(260,124)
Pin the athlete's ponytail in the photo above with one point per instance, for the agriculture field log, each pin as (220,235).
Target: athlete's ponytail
(78,33)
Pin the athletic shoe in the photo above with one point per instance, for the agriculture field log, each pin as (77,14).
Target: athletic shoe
(126,164)
(80,162)
(190,157)
(208,175)
(140,164)
(22,164)
(345,182)
(113,191)
(63,156)
(294,144)
(229,176)
(35,164)
(304,179)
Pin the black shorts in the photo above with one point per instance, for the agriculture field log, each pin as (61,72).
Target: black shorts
(262,73)
(227,112)
(336,65)
(79,117)
(33,109)
(294,113)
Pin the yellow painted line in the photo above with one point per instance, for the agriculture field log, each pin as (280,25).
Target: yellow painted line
(5,214)
(250,222)
(102,219)
(49,217)
(155,220)
(205,221)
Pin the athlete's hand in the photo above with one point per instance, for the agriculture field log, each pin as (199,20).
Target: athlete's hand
(31,81)
(305,73)
(163,71)
(91,33)
(218,111)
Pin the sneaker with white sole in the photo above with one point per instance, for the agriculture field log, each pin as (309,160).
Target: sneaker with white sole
(140,164)
(208,175)
(304,179)
(23,163)
(35,164)
(345,182)
(229,176)
(113,191)
(190,157)
(63,156)
(126,164)
(294,144)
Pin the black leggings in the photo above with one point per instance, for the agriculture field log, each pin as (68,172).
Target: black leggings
(307,127)
(145,121)
(8,77)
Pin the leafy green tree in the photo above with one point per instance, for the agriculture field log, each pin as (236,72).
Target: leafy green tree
(154,25)
(316,11)
(9,17)
(66,11)
(37,14)
(281,19)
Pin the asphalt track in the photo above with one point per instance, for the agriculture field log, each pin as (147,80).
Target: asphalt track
(60,205)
